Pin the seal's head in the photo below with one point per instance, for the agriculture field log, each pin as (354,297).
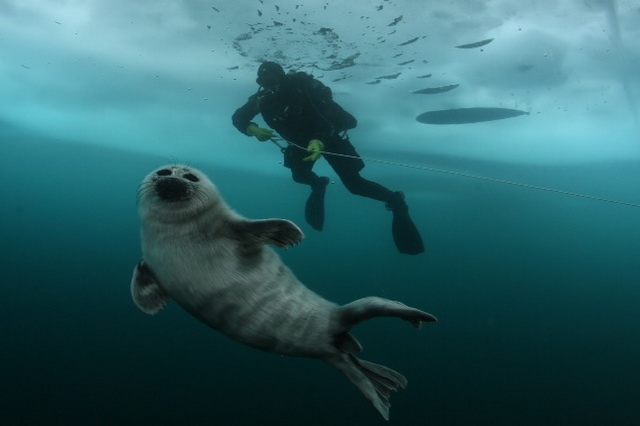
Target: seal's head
(175,190)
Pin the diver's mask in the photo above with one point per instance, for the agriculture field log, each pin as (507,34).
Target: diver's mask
(270,74)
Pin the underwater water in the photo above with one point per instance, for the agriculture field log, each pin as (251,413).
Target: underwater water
(536,291)
(536,296)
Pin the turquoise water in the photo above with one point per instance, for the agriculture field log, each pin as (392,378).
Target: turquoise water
(536,296)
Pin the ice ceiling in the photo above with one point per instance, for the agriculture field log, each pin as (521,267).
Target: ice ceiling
(165,76)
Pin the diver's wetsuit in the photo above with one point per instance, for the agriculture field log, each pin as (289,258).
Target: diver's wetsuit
(302,109)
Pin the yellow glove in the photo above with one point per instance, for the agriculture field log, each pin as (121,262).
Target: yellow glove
(260,133)
(314,147)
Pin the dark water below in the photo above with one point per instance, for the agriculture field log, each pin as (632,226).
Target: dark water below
(537,296)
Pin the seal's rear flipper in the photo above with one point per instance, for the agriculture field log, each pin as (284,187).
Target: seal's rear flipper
(279,232)
(145,291)
(371,307)
(374,380)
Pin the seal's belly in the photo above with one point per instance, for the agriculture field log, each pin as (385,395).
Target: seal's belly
(258,301)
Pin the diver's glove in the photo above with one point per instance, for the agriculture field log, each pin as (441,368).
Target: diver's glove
(259,133)
(315,147)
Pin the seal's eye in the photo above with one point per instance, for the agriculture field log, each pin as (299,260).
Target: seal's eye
(163,172)
(191,177)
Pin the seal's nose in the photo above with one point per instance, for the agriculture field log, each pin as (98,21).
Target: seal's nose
(172,189)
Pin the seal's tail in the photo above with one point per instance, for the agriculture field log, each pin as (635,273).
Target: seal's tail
(374,380)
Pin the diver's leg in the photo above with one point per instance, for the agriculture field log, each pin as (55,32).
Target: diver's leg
(301,172)
(306,177)
(358,185)
(404,231)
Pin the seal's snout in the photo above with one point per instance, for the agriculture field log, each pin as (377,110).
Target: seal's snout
(172,189)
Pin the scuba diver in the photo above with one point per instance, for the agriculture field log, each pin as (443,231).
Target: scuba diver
(302,110)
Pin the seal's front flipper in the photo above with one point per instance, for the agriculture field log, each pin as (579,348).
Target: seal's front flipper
(279,232)
(371,307)
(145,291)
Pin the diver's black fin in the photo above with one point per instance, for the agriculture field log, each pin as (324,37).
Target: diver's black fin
(314,209)
(405,234)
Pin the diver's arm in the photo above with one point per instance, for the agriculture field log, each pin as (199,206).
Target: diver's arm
(242,117)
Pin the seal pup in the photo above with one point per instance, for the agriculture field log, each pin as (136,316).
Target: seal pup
(216,264)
